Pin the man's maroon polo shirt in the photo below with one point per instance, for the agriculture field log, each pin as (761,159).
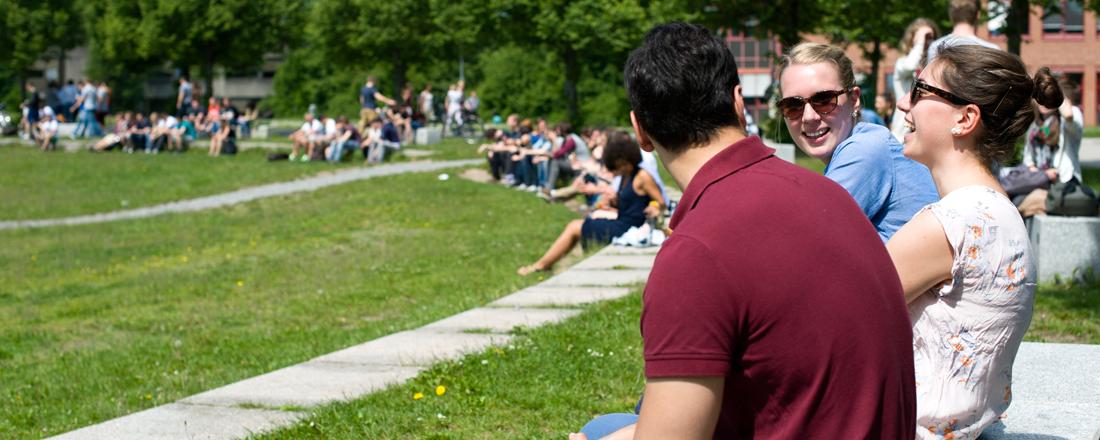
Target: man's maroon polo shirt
(774,279)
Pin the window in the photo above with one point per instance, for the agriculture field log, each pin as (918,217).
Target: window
(1064,17)
(751,53)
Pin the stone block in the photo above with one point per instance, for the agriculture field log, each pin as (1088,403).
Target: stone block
(308,384)
(428,135)
(626,250)
(181,421)
(500,319)
(616,262)
(416,347)
(1065,246)
(598,278)
(560,296)
(1055,394)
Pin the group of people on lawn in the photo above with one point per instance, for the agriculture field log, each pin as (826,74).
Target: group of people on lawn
(885,299)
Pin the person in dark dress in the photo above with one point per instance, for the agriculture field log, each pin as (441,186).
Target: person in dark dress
(638,189)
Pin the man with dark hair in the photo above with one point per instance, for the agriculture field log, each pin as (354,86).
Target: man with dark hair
(773,310)
(964,17)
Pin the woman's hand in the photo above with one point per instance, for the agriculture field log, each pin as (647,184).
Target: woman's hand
(1052,174)
(653,210)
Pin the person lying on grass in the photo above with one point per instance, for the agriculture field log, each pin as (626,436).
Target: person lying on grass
(638,198)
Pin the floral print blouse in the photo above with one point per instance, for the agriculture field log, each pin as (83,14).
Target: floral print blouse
(966,332)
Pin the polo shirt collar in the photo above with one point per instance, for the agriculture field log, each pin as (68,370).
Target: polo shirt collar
(732,159)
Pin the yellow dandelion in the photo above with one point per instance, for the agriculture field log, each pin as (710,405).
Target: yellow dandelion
(440,390)
(240,283)
(418,396)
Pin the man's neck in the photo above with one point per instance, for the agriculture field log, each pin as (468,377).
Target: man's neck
(964,30)
(685,164)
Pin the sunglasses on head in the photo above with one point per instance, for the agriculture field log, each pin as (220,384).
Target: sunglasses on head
(823,102)
(922,89)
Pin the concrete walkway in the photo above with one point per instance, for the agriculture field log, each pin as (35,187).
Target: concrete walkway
(244,195)
(260,403)
(1090,153)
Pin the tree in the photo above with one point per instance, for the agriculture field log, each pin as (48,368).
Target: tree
(871,23)
(585,34)
(360,33)
(28,28)
(203,33)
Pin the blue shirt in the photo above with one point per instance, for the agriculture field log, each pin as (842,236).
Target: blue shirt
(889,187)
(368,97)
(868,115)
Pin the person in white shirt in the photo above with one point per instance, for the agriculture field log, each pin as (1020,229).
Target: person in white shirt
(302,138)
(46,130)
(914,44)
(427,107)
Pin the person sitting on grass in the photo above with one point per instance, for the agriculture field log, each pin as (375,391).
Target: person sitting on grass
(118,137)
(45,132)
(139,133)
(622,157)
(381,137)
(303,136)
(347,141)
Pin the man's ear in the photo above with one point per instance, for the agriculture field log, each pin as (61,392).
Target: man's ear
(857,97)
(643,137)
(739,107)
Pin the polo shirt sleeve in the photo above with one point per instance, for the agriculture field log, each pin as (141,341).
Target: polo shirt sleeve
(688,323)
(864,168)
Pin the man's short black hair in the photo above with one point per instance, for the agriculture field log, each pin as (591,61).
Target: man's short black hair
(680,83)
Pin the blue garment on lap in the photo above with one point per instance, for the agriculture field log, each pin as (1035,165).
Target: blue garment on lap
(889,187)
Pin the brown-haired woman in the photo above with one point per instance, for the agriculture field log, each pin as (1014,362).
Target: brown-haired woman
(965,262)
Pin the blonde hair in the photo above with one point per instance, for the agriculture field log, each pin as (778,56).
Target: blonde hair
(813,53)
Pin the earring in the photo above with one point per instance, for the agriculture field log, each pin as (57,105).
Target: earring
(956,131)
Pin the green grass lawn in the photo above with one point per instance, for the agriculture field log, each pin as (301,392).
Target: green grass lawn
(1091,132)
(105,320)
(44,185)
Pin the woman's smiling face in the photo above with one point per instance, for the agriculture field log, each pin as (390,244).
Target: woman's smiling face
(815,134)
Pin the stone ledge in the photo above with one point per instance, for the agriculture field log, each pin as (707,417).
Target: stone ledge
(539,296)
(416,347)
(306,385)
(1065,246)
(179,421)
(500,319)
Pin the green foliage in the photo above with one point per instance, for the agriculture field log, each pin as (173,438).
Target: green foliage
(517,80)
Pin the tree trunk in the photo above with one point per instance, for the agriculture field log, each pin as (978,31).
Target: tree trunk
(208,74)
(572,77)
(789,38)
(876,60)
(399,74)
(61,68)
(1015,24)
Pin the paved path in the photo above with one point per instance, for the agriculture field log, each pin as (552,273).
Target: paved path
(244,195)
(253,405)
